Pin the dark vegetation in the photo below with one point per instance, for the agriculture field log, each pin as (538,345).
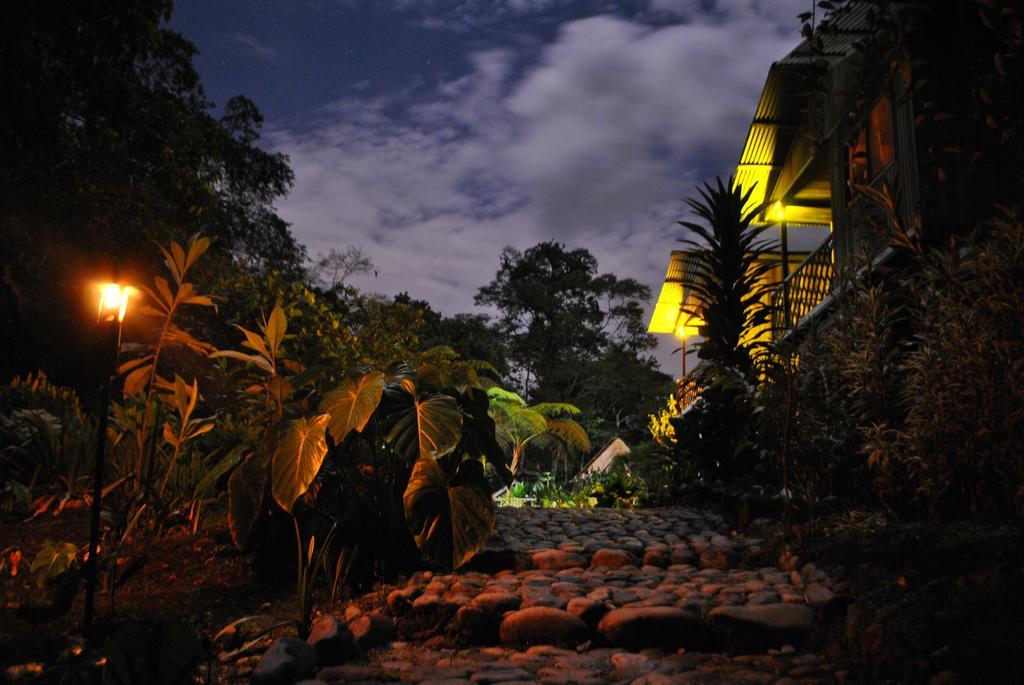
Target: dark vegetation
(274,424)
(267,416)
(888,434)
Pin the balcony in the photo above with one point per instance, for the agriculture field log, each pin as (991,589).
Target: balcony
(807,287)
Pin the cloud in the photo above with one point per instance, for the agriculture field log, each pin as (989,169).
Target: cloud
(594,143)
(252,47)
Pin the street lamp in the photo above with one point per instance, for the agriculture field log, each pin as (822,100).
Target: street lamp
(684,331)
(113,305)
(779,211)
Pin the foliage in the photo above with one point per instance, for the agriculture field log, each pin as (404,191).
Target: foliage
(963,392)
(145,387)
(716,436)
(53,561)
(46,439)
(108,144)
(417,427)
(728,283)
(471,336)
(659,424)
(574,335)
(450,516)
(912,398)
(334,330)
(547,424)
(333,269)
(311,560)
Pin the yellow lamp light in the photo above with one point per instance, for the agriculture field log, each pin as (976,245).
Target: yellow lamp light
(685,330)
(779,211)
(114,301)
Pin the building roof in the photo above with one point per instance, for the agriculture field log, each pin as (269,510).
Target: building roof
(603,461)
(776,157)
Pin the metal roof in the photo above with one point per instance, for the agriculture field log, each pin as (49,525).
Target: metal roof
(780,111)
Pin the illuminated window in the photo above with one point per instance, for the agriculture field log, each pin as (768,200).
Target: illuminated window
(880,145)
(873,151)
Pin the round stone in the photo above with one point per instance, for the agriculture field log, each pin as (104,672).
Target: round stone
(543,626)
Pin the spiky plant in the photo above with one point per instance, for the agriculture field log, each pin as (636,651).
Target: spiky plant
(727,284)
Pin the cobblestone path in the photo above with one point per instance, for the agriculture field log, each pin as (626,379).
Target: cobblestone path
(589,596)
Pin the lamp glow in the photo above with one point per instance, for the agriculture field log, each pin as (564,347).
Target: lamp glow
(114,300)
(684,331)
(779,210)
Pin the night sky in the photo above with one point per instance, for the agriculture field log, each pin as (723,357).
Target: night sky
(432,133)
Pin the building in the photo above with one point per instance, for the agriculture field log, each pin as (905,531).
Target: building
(881,120)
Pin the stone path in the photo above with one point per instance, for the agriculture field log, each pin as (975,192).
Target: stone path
(586,596)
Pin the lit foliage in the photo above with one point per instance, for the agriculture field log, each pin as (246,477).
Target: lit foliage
(728,286)
(428,428)
(659,424)
(547,423)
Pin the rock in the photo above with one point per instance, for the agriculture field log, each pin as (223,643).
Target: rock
(333,641)
(350,673)
(475,625)
(716,558)
(590,610)
(657,557)
(632,662)
(638,627)
(506,674)
(543,626)
(554,559)
(400,601)
(372,630)
(288,659)
(612,558)
(818,595)
(756,628)
(498,601)
(426,618)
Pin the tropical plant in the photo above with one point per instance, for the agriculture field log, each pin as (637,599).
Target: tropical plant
(46,440)
(728,284)
(423,428)
(311,560)
(143,382)
(547,424)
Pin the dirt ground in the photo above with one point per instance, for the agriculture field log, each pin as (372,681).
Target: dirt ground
(201,579)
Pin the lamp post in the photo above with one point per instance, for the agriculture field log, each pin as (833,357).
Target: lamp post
(780,216)
(112,309)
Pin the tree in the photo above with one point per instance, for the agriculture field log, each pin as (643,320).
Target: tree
(559,316)
(548,425)
(108,144)
(728,284)
(333,269)
(472,336)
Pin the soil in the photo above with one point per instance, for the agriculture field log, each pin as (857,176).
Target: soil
(202,579)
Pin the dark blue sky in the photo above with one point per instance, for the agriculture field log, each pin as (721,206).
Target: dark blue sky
(432,133)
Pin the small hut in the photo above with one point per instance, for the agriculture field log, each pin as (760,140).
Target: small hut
(602,462)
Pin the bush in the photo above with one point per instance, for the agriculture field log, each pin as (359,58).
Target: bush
(915,395)
(45,437)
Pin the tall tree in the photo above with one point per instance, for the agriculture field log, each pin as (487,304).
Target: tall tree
(728,283)
(564,322)
(108,144)
(472,336)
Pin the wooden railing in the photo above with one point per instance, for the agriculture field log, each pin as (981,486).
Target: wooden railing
(687,391)
(808,285)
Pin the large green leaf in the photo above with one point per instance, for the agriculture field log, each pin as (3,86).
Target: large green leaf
(450,521)
(422,425)
(297,459)
(245,498)
(352,404)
